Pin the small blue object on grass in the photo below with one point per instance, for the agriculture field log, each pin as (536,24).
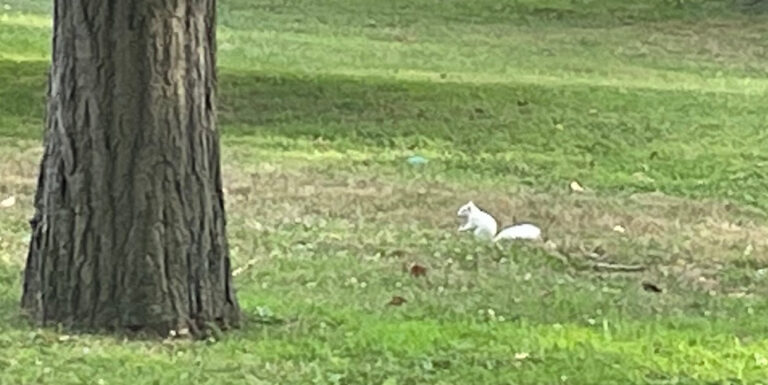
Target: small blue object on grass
(416,160)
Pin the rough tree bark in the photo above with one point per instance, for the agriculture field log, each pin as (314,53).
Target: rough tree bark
(129,225)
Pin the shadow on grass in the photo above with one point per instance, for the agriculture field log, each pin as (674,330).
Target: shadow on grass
(386,111)
(22,92)
(541,133)
(491,118)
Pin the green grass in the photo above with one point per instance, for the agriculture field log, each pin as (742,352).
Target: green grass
(656,107)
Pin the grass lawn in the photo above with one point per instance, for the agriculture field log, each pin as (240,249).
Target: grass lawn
(657,108)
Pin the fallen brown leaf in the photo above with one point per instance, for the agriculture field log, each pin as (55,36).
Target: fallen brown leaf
(418,270)
(396,301)
(648,286)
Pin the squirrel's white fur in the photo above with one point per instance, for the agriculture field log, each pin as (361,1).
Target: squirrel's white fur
(519,231)
(482,223)
(485,226)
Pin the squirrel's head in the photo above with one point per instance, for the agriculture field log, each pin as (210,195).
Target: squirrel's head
(467,209)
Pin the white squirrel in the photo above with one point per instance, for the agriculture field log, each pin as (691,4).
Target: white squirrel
(484,225)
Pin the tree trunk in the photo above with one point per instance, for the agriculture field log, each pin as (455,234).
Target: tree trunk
(129,225)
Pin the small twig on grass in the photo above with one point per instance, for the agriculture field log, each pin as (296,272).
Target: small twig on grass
(565,257)
(617,267)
